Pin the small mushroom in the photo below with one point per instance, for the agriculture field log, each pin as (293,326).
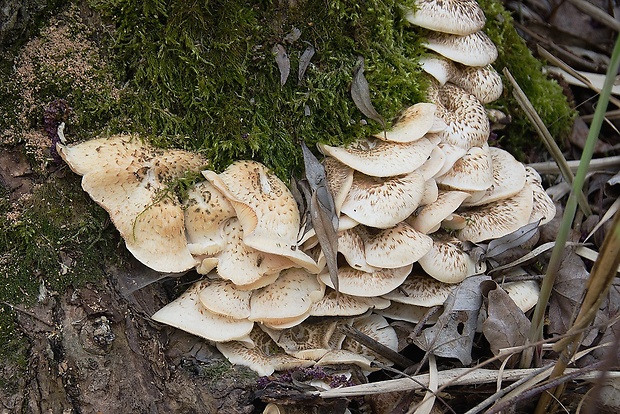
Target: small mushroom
(351,245)
(397,246)
(428,219)
(222,297)
(420,290)
(475,49)
(543,208)
(472,172)
(459,17)
(346,305)
(308,340)
(376,327)
(447,261)
(524,293)
(412,124)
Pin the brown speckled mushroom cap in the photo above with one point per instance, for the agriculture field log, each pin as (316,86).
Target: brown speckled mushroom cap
(351,246)
(524,293)
(339,180)
(428,219)
(266,209)
(472,172)
(508,179)
(308,340)
(497,219)
(447,261)
(467,123)
(206,212)
(341,304)
(475,49)
(459,17)
(187,313)
(543,206)
(412,124)
(376,327)
(222,297)
(421,290)
(383,202)
(288,298)
(379,158)
(264,357)
(339,357)
(357,283)
(397,246)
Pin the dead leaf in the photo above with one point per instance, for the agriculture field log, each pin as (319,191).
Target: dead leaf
(512,240)
(453,334)
(567,293)
(283,61)
(360,92)
(506,325)
(293,36)
(304,62)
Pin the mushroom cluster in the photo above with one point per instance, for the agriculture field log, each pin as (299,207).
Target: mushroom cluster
(408,200)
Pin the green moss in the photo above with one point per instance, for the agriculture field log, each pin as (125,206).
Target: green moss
(205,71)
(545,94)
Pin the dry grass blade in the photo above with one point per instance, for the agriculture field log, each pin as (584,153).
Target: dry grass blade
(599,164)
(548,140)
(589,254)
(596,13)
(606,217)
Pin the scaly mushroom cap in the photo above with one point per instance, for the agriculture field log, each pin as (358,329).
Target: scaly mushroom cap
(376,327)
(206,212)
(508,179)
(412,124)
(264,357)
(447,261)
(105,153)
(440,68)
(187,313)
(544,207)
(379,158)
(243,265)
(467,123)
(524,293)
(341,304)
(357,283)
(397,246)
(483,82)
(431,192)
(433,164)
(351,245)
(383,203)
(475,49)
(148,217)
(222,297)
(420,290)
(288,298)
(472,172)
(459,17)
(265,207)
(308,340)
(497,219)
(452,153)
(339,180)
(407,313)
(429,217)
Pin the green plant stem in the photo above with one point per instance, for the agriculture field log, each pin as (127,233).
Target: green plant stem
(536,330)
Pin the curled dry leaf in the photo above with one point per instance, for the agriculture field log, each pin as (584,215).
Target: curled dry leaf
(506,325)
(360,92)
(453,334)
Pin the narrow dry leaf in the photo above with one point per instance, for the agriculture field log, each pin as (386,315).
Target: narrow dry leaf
(304,62)
(453,334)
(360,92)
(506,325)
(283,62)
(512,240)
(567,292)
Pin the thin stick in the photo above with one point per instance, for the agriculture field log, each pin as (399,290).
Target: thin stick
(378,347)
(596,13)
(598,164)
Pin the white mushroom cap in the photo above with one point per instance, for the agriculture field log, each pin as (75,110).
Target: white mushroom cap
(447,261)
(524,293)
(543,206)
(206,211)
(244,265)
(431,192)
(222,297)
(264,357)
(421,290)
(341,304)
(407,313)
(412,124)
(308,340)
(508,179)
(430,216)
(448,16)
(397,246)
(351,245)
(357,283)
(187,313)
(266,209)
(339,357)
(438,67)
(475,49)
(497,219)
(339,180)
(383,203)
(376,327)
(433,164)
(291,296)
(452,154)
(467,123)
(472,172)
(379,158)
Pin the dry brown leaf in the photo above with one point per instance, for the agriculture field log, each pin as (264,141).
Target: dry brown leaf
(506,325)
(453,334)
